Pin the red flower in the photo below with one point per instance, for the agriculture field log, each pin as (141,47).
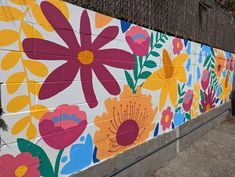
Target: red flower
(138,40)
(209,100)
(205,79)
(167,116)
(177,46)
(23,164)
(87,56)
(230,64)
(187,100)
(62,127)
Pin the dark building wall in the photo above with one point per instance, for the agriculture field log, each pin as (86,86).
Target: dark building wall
(198,20)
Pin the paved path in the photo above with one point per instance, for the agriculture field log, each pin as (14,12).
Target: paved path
(211,156)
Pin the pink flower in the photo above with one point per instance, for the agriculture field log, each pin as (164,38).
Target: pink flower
(23,164)
(167,116)
(230,64)
(209,100)
(138,40)
(62,127)
(177,45)
(187,100)
(205,79)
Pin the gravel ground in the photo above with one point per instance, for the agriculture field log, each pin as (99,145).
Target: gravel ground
(211,156)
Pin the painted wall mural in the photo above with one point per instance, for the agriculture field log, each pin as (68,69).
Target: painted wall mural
(80,87)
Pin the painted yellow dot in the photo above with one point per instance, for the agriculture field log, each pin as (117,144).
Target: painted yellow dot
(21,171)
(167,118)
(86,57)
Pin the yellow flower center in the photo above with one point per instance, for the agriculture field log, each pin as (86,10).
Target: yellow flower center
(178,45)
(86,57)
(168,67)
(208,107)
(167,118)
(21,171)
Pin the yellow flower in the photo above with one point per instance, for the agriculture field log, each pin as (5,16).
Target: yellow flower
(226,88)
(166,78)
(127,123)
(219,63)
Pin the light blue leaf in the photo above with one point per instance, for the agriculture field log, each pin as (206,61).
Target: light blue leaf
(81,156)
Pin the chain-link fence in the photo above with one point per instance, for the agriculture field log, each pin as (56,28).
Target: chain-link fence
(198,20)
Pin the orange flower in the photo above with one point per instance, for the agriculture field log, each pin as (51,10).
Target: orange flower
(219,63)
(127,122)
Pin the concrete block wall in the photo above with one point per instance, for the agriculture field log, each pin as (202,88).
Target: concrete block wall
(79,88)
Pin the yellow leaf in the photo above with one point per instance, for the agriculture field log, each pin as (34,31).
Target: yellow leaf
(14,82)
(38,111)
(41,19)
(20,125)
(30,31)
(8,13)
(18,103)
(36,68)
(101,20)
(31,131)
(20,2)
(34,87)
(8,37)
(10,60)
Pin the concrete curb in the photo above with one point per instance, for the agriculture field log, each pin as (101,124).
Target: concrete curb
(124,163)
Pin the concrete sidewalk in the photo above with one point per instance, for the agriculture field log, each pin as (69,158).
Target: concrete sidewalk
(211,156)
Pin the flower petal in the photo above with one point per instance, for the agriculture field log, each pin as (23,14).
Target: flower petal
(173,91)
(60,25)
(107,80)
(163,96)
(155,81)
(180,74)
(85,28)
(44,50)
(106,36)
(116,58)
(54,82)
(87,86)
(180,59)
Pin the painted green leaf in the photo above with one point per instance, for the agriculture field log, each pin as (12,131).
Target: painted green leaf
(212,51)
(157,36)
(129,80)
(150,64)
(177,109)
(158,45)
(206,61)
(145,75)
(179,92)
(45,167)
(151,42)
(187,115)
(156,54)
(162,40)
(202,95)
(200,107)
(180,100)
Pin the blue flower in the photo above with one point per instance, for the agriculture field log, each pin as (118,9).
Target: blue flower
(188,64)
(80,156)
(178,118)
(224,73)
(228,55)
(189,83)
(218,91)
(188,50)
(198,73)
(200,58)
(206,49)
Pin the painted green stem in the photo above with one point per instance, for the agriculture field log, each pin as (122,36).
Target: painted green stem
(142,65)
(57,163)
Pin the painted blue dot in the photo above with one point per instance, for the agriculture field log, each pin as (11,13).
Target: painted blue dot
(64,159)
(82,138)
